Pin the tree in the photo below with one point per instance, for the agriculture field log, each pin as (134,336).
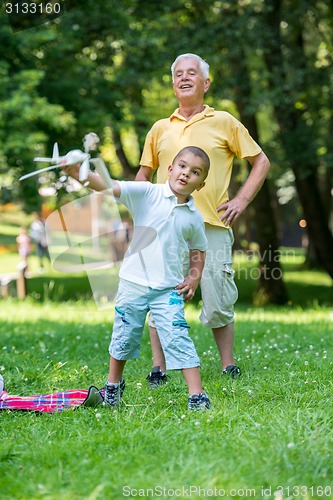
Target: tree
(106,67)
(195,20)
(23,113)
(288,68)
(270,287)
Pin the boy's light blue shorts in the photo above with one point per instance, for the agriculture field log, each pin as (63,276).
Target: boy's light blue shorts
(132,304)
(218,288)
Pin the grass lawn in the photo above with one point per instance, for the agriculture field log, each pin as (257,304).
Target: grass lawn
(268,434)
(270,429)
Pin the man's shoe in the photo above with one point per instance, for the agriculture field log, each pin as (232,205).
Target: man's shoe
(232,370)
(156,378)
(198,402)
(113,393)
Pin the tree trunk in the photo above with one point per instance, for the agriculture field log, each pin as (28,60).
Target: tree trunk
(316,218)
(270,288)
(129,171)
(297,134)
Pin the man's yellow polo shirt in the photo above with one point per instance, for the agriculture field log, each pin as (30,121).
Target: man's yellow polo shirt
(218,133)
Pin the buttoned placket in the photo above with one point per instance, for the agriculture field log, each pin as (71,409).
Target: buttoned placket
(196,118)
(175,206)
(187,124)
(173,197)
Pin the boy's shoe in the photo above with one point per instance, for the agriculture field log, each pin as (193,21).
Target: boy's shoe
(113,393)
(156,378)
(198,402)
(232,370)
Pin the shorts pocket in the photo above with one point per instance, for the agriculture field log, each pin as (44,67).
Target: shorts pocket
(230,291)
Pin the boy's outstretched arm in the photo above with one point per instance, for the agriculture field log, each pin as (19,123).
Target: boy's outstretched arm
(95,180)
(192,280)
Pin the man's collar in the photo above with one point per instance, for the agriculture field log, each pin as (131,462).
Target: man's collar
(169,194)
(208,111)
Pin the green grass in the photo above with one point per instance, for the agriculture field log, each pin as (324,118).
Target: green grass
(270,428)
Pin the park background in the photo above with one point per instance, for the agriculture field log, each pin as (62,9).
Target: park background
(105,67)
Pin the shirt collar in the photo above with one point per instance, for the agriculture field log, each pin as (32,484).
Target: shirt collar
(208,111)
(169,194)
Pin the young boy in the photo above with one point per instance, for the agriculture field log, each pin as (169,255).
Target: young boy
(166,226)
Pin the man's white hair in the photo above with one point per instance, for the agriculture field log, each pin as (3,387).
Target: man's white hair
(204,66)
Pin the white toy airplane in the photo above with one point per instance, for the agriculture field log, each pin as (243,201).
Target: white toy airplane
(71,158)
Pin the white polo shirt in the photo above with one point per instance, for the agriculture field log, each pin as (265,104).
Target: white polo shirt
(164,231)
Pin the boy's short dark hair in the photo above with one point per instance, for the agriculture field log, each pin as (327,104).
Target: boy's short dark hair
(196,152)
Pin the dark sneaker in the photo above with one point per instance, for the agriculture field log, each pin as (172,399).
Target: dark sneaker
(156,378)
(198,402)
(113,393)
(232,370)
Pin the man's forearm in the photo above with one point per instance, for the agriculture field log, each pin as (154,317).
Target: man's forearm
(144,174)
(231,210)
(256,178)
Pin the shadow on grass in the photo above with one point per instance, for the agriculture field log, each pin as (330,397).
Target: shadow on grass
(301,292)
(59,288)
(305,288)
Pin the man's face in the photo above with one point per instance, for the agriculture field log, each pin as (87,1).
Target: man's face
(186,174)
(189,83)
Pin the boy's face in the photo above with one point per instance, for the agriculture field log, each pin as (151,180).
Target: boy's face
(186,175)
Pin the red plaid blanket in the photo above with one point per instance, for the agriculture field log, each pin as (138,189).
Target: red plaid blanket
(47,403)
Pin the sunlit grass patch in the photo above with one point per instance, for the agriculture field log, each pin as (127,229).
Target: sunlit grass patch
(272,427)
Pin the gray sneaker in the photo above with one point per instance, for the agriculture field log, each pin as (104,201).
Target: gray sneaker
(156,378)
(198,402)
(113,393)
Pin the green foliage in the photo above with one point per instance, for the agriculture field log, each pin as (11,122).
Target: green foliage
(24,114)
(106,67)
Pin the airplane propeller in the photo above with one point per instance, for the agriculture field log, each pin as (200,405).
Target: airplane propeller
(90,142)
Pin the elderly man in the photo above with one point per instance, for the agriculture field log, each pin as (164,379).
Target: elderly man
(222,137)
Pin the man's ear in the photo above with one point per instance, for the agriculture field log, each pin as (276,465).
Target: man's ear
(206,85)
(201,186)
(169,169)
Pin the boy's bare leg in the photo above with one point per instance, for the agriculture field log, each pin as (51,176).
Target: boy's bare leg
(115,384)
(157,351)
(116,370)
(193,379)
(224,338)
